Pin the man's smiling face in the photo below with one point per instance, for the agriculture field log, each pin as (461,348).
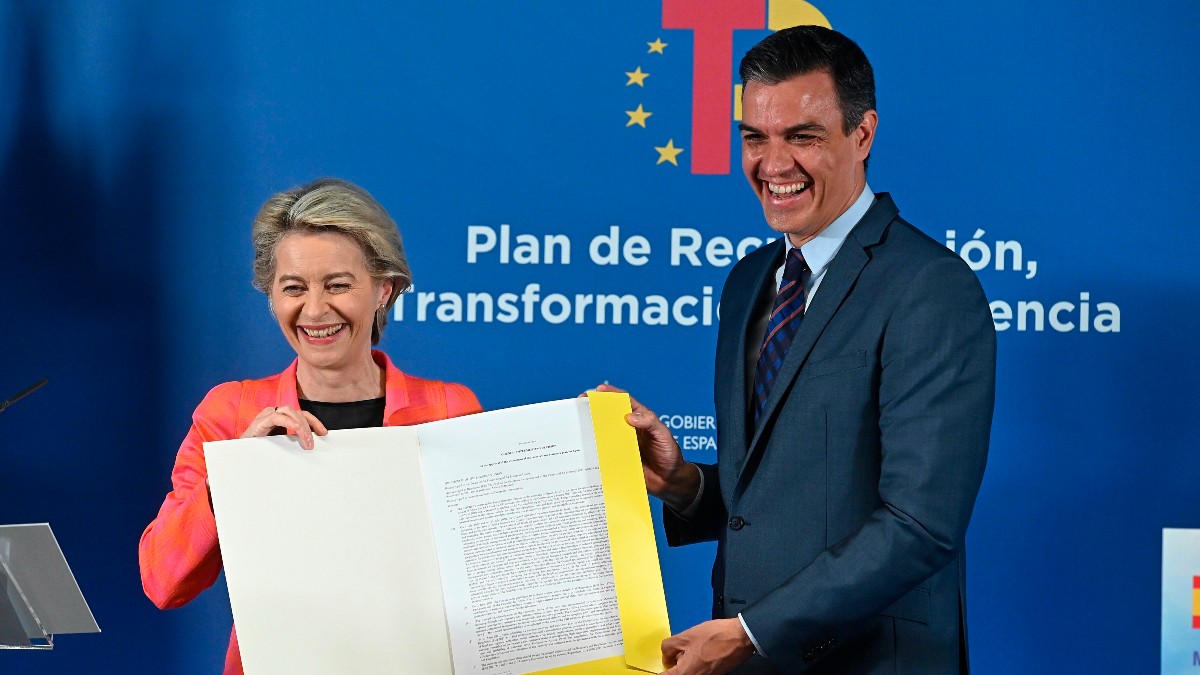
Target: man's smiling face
(805,169)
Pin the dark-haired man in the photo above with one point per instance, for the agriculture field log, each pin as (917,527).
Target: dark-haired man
(855,378)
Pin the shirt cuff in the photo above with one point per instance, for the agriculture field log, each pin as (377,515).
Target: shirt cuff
(692,508)
(758,650)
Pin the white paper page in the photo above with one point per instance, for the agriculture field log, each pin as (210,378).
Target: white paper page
(518,515)
(329,554)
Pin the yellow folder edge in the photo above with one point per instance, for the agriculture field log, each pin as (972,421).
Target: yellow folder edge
(641,603)
(637,573)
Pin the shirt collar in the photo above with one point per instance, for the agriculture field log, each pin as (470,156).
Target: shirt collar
(819,250)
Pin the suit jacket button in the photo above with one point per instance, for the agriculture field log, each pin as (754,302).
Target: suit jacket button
(737,523)
(721,599)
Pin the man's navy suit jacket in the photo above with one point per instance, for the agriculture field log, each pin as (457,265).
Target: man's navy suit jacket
(840,519)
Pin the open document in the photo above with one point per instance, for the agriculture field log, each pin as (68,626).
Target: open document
(509,542)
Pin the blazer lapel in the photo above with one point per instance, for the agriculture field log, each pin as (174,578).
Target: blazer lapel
(731,375)
(839,280)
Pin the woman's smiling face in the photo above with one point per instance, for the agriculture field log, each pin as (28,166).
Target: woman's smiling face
(325,299)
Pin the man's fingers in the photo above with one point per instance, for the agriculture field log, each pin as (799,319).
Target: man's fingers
(661,456)
(642,421)
(672,647)
(637,407)
(650,427)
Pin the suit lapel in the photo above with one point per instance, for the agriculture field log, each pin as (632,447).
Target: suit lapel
(732,377)
(839,279)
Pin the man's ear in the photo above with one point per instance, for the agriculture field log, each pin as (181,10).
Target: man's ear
(864,133)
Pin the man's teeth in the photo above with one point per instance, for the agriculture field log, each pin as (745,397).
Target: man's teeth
(322,332)
(786,189)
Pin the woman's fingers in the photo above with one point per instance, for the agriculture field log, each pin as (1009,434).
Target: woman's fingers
(317,426)
(295,421)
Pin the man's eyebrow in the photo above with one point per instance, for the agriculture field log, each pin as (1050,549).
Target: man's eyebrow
(805,126)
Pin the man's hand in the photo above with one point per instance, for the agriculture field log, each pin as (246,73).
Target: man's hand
(712,648)
(668,476)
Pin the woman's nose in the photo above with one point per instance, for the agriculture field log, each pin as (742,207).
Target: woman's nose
(315,306)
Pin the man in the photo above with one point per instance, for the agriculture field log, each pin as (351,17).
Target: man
(854,391)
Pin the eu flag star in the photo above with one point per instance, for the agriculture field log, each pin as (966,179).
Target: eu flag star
(668,153)
(637,77)
(637,117)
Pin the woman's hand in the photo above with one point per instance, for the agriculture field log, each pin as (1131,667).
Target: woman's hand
(303,424)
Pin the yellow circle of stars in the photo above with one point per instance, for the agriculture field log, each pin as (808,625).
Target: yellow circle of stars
(638,116)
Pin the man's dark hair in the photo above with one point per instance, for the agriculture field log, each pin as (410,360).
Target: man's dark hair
(805,49)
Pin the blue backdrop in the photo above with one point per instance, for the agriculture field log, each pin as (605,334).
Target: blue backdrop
(1046,141)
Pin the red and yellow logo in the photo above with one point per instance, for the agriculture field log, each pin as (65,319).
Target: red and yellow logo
(712,23)
(1196,602)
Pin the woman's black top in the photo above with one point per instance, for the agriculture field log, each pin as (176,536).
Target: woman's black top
(349,415)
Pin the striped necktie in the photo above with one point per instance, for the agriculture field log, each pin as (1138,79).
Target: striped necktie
(781,328)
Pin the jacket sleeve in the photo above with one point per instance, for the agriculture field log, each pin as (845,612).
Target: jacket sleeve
(178,553)
(707,521)
(461,401)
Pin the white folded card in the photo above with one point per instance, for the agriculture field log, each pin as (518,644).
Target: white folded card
(508,542)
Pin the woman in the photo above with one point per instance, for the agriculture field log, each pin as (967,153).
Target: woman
(330,261)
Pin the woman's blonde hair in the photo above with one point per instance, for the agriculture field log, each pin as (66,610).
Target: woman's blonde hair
(333,205)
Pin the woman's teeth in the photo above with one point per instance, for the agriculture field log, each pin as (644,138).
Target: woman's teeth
(322,332)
